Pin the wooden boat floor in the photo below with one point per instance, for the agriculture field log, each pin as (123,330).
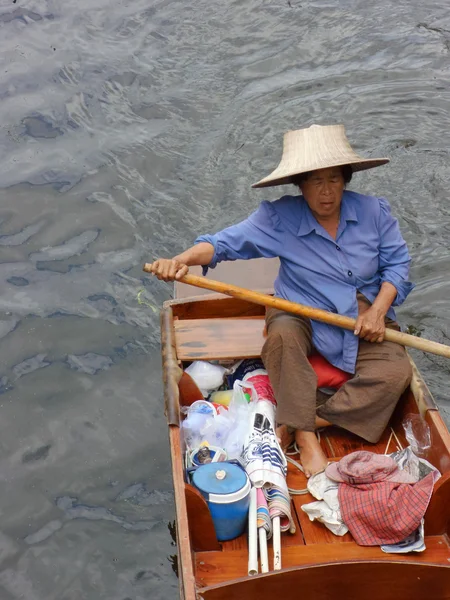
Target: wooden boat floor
(313,543)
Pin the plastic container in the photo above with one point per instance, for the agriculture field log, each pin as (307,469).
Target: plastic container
(217,455)
(222,397)
(203,407)
(219,407)
(226,488)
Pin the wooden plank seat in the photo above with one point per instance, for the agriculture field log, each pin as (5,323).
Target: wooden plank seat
(235,338)
(219,339)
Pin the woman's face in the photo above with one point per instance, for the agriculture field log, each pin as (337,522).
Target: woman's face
(323,191)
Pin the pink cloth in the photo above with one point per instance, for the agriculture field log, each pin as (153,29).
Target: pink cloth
(384,512)
(367,467)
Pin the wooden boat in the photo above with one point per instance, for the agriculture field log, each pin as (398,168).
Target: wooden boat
(315,563)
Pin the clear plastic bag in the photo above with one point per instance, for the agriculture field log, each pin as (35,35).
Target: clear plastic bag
(239,418)
(241,392)
(417,433)
(223,428)
(197,427)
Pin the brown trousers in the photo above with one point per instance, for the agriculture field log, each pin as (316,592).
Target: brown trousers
(363,405)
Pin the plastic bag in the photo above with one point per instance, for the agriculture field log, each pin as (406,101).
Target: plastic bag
(207,376)
(413,543)
(323,488)
(415,466)
(417,433)
(320,511)
(238,419)
(197,427)
(243,393)
(242,368)
(220,427)
(327,510)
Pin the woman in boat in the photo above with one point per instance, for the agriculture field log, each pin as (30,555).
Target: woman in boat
(339,251)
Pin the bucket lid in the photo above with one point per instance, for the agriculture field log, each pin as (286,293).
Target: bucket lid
(220,478)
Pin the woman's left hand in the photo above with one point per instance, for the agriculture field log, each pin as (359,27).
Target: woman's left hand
(370,325)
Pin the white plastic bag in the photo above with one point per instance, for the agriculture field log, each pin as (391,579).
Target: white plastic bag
(239,418)
(207,376)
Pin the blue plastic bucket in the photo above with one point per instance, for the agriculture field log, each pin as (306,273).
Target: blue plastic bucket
(226,488)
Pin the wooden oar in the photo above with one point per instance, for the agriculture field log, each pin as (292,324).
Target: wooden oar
(317,314)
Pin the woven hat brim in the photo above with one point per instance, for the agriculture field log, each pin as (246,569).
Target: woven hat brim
(359,165)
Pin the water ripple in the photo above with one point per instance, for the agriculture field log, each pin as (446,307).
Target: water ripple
(125,130)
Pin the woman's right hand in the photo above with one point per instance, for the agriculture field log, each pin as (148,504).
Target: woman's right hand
(168,269)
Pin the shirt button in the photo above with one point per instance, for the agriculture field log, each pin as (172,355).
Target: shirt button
(350,273)
(338,248)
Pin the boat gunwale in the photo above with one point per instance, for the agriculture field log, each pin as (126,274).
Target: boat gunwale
(201,591)
(171,375)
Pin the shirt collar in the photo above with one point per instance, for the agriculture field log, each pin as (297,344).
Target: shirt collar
(308,223)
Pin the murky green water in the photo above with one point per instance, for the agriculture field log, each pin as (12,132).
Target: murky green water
(126,128)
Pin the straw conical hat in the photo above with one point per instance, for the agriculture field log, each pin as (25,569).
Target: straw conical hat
(316,147)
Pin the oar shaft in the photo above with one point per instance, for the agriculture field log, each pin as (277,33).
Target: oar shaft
(316,314)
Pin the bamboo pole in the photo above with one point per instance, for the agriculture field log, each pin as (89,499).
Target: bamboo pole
(317,314)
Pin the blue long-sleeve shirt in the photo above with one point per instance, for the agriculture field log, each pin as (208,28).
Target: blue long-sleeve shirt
(319,271)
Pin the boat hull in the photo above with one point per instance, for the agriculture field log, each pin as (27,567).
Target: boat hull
(316,564)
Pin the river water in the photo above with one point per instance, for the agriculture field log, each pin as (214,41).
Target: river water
(127,127)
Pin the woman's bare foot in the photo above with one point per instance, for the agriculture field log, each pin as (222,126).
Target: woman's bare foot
(322,423)
(312,456)
(285,436)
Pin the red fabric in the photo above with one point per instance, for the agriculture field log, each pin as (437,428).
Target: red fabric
(262,386)
(385,512)
(327,374)
(367,467)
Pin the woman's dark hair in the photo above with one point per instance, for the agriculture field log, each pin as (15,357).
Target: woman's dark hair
(347,173)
